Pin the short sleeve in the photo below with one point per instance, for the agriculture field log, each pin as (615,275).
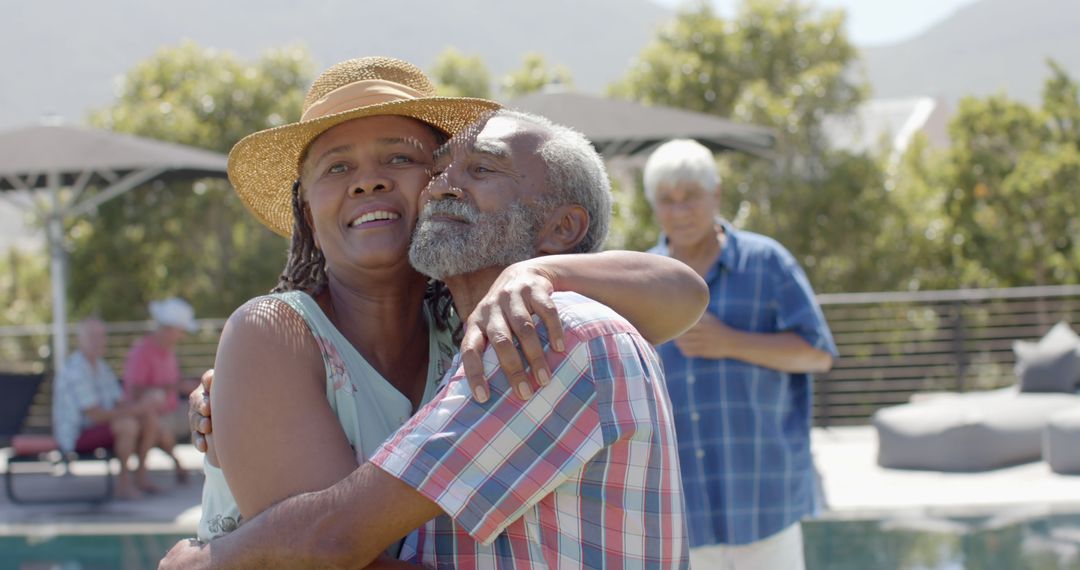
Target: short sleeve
(78,381)
(486,464)
(112,391)
(138,369)
(797,308)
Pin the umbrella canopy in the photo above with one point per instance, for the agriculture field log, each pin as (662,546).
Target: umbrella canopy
(27,154)
(623,128)
(54,157)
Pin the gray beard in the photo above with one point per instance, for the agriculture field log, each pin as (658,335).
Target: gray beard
(441,249)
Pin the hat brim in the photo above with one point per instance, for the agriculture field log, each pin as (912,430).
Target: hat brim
(263,166)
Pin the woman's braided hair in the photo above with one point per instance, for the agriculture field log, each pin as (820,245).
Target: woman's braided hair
(305,270)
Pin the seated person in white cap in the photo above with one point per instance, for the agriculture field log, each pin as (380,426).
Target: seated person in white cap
(152,367)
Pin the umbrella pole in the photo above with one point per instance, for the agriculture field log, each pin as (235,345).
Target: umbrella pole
(57,278)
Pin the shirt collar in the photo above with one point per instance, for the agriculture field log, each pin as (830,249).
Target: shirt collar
(729,254)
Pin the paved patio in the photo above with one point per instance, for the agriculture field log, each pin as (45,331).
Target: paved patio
(174,510)
(853,485)
(856,488)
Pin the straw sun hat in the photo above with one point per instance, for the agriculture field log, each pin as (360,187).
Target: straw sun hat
(263,166)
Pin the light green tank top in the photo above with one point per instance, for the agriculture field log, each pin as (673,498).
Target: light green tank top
(368,407)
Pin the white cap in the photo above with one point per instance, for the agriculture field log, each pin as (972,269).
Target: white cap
(173,312)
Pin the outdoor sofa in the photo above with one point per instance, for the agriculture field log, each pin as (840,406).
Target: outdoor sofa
(1037,418)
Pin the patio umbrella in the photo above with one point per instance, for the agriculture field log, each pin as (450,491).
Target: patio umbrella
(53,157)
(624,128)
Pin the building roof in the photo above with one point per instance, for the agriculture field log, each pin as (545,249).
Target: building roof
(888,125)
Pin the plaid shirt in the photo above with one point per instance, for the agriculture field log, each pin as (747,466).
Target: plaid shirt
(744,430)
(80,386)
(585,474)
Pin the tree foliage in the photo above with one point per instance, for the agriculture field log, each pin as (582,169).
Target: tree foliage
(458,75)
(786,65)
(24,289)
(535,74)
(194,240)
(1009,188)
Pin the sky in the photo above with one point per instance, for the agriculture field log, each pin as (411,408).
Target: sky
(873,22)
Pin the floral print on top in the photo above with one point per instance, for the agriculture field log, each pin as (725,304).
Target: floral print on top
(368,407)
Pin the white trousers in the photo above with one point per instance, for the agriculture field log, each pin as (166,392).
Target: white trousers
(781,551)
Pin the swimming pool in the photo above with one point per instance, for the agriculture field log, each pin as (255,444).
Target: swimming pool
(1040,543)
(85,552)
(1043,543)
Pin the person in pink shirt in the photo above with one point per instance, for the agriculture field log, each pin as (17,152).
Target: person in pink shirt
(152,367)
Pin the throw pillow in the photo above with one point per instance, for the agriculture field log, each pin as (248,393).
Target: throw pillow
(1050,365)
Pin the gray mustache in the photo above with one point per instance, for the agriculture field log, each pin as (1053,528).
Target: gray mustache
(455,208)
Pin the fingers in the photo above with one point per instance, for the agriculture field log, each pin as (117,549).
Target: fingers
(199,412)
(491,326)
(509,358)
(505,319)
(544,307)
(472,349)
(524,329)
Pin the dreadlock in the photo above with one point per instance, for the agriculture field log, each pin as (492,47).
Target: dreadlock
(441,305)
(305,271)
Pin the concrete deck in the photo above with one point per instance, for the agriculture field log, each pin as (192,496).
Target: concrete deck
(853,485)
(174,510)
(856,487)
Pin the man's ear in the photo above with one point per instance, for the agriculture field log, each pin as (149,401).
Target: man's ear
(565,228)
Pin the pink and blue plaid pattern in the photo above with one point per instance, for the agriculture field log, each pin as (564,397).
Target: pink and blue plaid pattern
(585,474)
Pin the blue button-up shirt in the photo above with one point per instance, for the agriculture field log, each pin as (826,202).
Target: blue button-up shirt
(744,430)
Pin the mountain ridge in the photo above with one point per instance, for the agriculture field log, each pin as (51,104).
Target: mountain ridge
(983,48)
(66,55)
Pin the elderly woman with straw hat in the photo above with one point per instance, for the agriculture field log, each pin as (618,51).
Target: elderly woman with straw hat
(313,377)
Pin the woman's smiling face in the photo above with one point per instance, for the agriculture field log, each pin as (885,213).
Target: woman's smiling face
(362,181)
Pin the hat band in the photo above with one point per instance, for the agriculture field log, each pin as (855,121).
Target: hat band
(359,94)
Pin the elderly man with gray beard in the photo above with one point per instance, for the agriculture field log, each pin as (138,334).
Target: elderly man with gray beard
(585,474)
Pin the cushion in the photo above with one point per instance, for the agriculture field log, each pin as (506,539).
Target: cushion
(1050,365)
(975,431)
(29,444)
(1061,442)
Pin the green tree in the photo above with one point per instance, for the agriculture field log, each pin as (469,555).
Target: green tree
(459,75)
(786,65)
(1011,175)
(534,75)
(918,236)
(189,239)
(24,299)
(24,288)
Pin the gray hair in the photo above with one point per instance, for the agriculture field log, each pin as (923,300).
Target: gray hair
(680,160)
(87,327)
(575,175)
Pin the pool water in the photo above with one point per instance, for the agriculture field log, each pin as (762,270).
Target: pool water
(89,552)
(1046,543)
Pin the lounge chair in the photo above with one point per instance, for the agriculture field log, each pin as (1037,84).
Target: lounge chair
(1061,442)
(1035,419)
(38,451)
(974,431)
